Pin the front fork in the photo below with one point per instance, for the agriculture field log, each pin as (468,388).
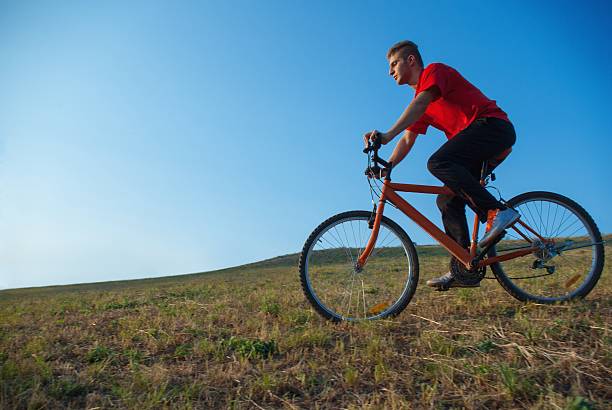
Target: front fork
(361,261)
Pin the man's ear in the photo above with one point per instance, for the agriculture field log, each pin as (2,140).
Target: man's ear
(411,59)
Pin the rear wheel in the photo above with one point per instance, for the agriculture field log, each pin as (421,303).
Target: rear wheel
(563,270)
(337,290)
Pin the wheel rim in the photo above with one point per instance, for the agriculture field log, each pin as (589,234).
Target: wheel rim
(573,267)
(345,293)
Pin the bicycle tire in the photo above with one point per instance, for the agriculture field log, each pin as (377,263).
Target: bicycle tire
(389,279)
(572,277)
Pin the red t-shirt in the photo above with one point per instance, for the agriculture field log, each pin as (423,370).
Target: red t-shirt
(459,103)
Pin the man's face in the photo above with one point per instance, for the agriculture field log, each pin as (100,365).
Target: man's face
(399,68)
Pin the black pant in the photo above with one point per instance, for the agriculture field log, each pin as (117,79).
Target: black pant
(458,164)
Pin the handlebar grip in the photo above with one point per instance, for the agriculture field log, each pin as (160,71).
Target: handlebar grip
(373,145)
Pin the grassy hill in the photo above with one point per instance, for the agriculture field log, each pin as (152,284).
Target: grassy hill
(246,338)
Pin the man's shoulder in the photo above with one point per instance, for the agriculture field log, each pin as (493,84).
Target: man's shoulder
(438,67)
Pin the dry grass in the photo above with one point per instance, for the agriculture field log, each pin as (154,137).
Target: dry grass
(246,338)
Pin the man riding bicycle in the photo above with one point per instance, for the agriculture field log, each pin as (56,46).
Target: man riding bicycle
(477,130)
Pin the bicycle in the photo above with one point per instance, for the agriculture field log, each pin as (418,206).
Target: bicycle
(361,265)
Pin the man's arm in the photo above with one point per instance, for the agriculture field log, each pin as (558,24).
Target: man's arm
(411,114)
(403,147)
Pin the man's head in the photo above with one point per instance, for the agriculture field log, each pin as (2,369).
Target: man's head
(405,63)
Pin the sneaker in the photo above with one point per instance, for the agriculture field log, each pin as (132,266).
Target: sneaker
(447,281)
(497,221)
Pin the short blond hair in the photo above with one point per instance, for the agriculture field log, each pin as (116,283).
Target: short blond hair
(404,49)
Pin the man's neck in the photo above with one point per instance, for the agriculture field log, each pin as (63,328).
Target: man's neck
(414,77)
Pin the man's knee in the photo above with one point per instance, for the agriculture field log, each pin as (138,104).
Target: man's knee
(448,203)
(433,163)
(437,163)
(443,201)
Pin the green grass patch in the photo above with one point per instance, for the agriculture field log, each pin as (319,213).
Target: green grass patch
(67,389)
(250,348)
(99,354)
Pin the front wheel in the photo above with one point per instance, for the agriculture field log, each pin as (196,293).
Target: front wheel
(337,290)
(566,268)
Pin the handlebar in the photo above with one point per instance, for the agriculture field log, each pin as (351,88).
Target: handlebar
(373,147)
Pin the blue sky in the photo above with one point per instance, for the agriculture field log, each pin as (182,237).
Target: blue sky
(150,138)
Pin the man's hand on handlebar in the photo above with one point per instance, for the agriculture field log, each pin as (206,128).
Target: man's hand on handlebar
(376,137)
(373,140)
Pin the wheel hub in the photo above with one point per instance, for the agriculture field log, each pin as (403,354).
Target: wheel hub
(545,250)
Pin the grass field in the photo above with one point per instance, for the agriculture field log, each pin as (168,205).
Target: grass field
(246,338)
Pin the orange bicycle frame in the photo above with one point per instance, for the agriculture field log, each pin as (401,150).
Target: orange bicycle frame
(466,256)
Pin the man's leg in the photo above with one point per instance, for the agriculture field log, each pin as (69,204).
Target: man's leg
(453,218)
(457,161)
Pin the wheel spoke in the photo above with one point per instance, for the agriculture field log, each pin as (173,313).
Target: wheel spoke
(357,244)
(547,218)
(379,247)
(348,243)
(569,226)
(348,312)
(365,313)
(563,220)
(532,220)
(343,246)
